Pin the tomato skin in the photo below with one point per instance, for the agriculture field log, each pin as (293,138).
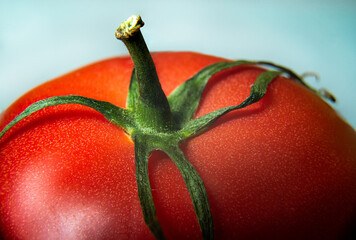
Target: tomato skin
(283,168)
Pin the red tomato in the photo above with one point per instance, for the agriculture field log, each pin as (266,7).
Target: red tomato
(283,168)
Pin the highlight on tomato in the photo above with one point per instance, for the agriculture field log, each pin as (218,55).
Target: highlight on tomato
(176,145)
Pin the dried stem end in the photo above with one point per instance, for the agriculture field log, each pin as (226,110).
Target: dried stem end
(128,28)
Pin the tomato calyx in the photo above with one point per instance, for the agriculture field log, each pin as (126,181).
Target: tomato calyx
(155,122)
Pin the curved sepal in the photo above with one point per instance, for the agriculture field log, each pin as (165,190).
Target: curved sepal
(142,152)
(258,90)
(114,114)
(184,100)
(134,92)
(320,92)
(197,191)
(144,145)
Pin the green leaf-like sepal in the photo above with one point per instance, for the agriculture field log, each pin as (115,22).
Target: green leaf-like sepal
(258,90)
(143,148)
(323,93)
(133,93)
(144,145)
(196,188)
(184,100)
(116,115)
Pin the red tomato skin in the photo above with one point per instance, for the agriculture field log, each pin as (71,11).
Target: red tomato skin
(283,168)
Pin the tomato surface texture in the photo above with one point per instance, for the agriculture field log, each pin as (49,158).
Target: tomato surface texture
(282,168)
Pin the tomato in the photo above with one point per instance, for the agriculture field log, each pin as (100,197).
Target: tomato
(283,168)
(139,167)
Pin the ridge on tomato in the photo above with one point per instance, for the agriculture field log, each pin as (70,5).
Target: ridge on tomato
(79,154)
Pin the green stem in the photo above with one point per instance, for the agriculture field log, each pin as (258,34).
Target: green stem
(153,107)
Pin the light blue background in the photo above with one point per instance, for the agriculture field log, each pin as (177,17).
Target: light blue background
(40,40)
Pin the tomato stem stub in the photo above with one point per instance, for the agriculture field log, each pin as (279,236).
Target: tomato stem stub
(152,106)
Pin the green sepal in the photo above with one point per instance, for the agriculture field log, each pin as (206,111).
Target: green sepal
(322,92)
(184,100)
(197,191)
(258,90)
(143,148)
(133,93)
(145,143)
(116,115)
